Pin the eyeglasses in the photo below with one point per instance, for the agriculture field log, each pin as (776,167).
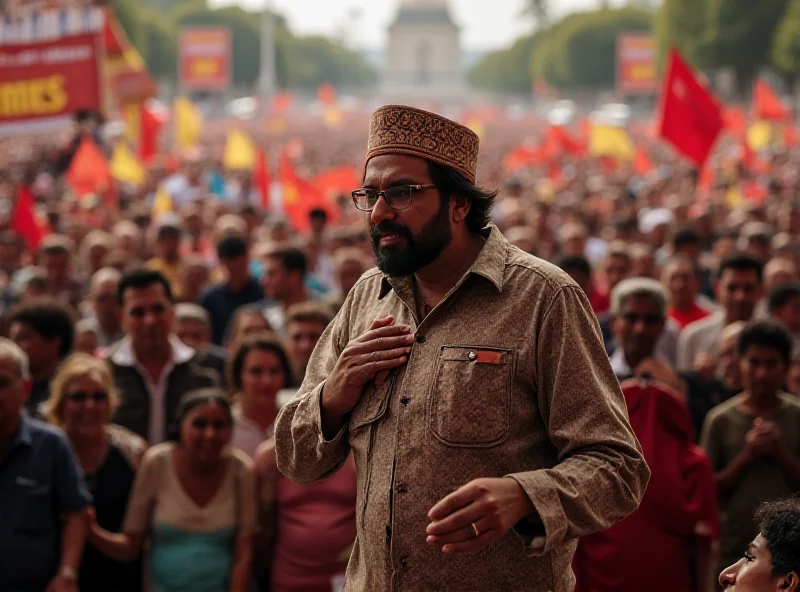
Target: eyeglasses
(83,396)
(649,320)
(397,198)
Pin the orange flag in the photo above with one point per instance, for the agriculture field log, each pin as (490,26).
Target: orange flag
(89,171)
(148,137)
(262,177)
(560,141)
(300,196)
(326,94)
(735,121)
(790,136)
(641,162)
(525,156)
(25,221)
(338,181)
(766,104)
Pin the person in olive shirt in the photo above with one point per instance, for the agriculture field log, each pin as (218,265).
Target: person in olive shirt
(753,440)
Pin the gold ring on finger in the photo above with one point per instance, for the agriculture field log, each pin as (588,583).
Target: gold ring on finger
(475,532)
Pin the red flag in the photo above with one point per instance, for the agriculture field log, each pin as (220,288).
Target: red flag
(641,162)
(151,126)
(326,94)
(300,196)
(262,177)
(338,181)
(790,136)
(524,156)
(735,121)
(89,171)
(766,104)
(561,142)
(706,181)
(25,222)
(691,117)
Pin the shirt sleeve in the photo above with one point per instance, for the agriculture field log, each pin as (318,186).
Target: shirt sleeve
(711,441)
(601,473)
(303,453)
(248,505)
(138,518)
(72,495)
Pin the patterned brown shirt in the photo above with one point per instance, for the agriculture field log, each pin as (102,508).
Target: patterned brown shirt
(508,377)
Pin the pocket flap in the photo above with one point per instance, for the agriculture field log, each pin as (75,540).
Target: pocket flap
(478,355)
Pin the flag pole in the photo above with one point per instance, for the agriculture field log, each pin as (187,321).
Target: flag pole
(268,55)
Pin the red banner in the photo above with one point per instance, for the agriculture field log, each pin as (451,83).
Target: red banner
(204,58)
(45,83)
(636,65)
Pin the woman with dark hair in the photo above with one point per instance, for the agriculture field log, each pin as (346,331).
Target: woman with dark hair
(771,562)
(257,371)
(246,321)
(195,501)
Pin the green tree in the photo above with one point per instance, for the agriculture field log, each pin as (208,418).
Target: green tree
(162,49)
(314,60)
(740,36)
(786,45)
(681,24)
(128,15)
(509,69)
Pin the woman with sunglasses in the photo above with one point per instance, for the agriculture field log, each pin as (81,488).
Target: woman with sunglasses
(195,502)
(82,401)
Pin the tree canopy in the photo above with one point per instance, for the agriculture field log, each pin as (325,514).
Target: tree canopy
(301,62)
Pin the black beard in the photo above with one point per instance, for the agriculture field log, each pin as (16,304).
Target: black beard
(422,249)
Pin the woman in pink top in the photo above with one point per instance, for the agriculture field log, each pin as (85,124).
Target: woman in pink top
(308,531)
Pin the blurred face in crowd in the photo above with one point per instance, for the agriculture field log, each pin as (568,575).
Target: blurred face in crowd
(405,241)
(789,315)
(13,393)
(779,272)
(87,407)
(193,333)
(97,257)
(644,265)
(302,338)
(249,323)
(236,268)
(317,224)
(262,377)
(86,342)
(205,432)
(681,282)
(105,305)
(754,572)
(348,273)
(763,370)
(638,327)
(583,279)
(277,281)
(56,263)
(690,249)
(738,291)
(617,269)
(168,243)
(793,379)
(9,256)
(196,276)
(728,370)
(758,247)
(724,247)
(42,353)
(147,316)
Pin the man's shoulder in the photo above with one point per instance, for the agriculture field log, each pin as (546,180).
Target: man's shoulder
(790,401)
(700,327)
(725,410)
(526,268)
(43,433)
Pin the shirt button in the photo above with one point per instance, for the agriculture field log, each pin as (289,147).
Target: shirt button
(420,339)
(404,401)
(404,562)
(402,488)
(472,355)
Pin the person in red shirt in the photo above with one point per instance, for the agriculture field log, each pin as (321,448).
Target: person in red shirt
(680,279)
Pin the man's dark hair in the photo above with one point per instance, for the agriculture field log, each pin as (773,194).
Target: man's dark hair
(452,182)
(741,262)
(264,343)
(685,237)
(231,247)
(781,295)
(575,263)
(779,524)
(318,214)
(50,319)
(292,259)
(766,334)
(309,312)
(139,279)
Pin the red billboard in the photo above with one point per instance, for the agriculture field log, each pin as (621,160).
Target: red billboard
(43,84)
(204,58)
(636,64)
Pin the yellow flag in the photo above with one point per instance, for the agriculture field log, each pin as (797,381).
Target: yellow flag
(605,140)
(125,167)
(333,116)
(239,151)
(476,125)
(188,123)
(162,203)
(733,197)
(132,115)
(759,135)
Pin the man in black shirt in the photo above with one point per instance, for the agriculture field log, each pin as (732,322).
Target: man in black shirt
(238,289)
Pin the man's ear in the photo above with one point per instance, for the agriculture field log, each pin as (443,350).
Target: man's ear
(461,206)
(789,582)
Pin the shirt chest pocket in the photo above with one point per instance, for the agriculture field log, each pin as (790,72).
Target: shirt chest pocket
(35,510)
(470,396)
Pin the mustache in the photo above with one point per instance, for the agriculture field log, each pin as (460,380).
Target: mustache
(389,227)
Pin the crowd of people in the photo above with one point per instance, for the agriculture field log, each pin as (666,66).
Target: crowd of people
(152,354)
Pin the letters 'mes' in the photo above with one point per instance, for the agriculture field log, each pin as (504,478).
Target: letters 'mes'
(37,96)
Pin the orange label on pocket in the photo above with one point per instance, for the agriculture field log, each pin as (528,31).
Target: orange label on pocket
(489,357)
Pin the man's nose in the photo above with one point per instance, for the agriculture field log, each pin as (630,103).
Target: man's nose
(382,211)
(728,576)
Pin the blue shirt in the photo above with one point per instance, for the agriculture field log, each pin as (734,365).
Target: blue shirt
(40,481)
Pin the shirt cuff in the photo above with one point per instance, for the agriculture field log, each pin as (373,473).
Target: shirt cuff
(552,521)
(323,443)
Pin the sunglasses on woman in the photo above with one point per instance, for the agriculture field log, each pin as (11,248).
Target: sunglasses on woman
(83,396)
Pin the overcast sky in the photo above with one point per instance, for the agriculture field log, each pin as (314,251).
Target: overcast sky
(486,24)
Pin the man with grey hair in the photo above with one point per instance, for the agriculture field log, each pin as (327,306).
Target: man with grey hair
(193,327)
(42,494)
(106,317)
(638,317)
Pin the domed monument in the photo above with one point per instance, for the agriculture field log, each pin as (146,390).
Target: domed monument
(423,59)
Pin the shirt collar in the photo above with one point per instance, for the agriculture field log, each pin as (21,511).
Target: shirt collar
(490,263)
(24,435)
(125,356)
